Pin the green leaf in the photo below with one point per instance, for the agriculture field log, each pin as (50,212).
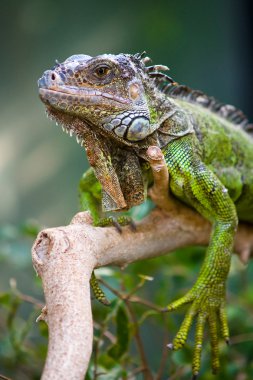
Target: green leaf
(122,333)
(30,228)
(5,299)
(43,328)
(106,361)
(14,305)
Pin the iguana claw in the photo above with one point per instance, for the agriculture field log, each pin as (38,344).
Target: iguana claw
(207,304)
(119,222)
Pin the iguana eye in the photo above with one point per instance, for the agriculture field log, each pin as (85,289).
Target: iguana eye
(102,71)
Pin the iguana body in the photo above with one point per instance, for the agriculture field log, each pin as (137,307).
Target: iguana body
(118,107)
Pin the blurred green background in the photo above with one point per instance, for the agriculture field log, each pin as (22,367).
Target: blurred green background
(207,45)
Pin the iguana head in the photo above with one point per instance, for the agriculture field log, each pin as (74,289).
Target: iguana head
(113,93)
(114,107)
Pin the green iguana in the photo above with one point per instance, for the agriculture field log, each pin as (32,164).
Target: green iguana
(117,107)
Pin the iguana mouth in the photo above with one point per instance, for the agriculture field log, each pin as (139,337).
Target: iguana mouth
(73,95)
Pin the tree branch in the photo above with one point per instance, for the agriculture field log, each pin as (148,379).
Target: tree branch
(64,258)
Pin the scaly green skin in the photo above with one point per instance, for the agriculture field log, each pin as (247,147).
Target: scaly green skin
(120,107)
(201,188)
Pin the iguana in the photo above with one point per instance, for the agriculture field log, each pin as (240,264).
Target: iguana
(117,107)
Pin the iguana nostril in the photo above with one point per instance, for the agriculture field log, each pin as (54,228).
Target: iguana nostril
(53,76)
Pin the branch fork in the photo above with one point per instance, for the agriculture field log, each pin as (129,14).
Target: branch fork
(64,258)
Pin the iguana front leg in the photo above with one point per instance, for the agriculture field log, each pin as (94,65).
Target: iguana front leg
(194,183)
(91,200)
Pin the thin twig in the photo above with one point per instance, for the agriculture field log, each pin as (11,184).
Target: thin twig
(106,333)
(114,291)
(144,302)
(95,355)
(30,299)
(164,352)
(134,299)
(146,370)
(4,377)
(137,370)
(176,375)
(134,290)
(241,338)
